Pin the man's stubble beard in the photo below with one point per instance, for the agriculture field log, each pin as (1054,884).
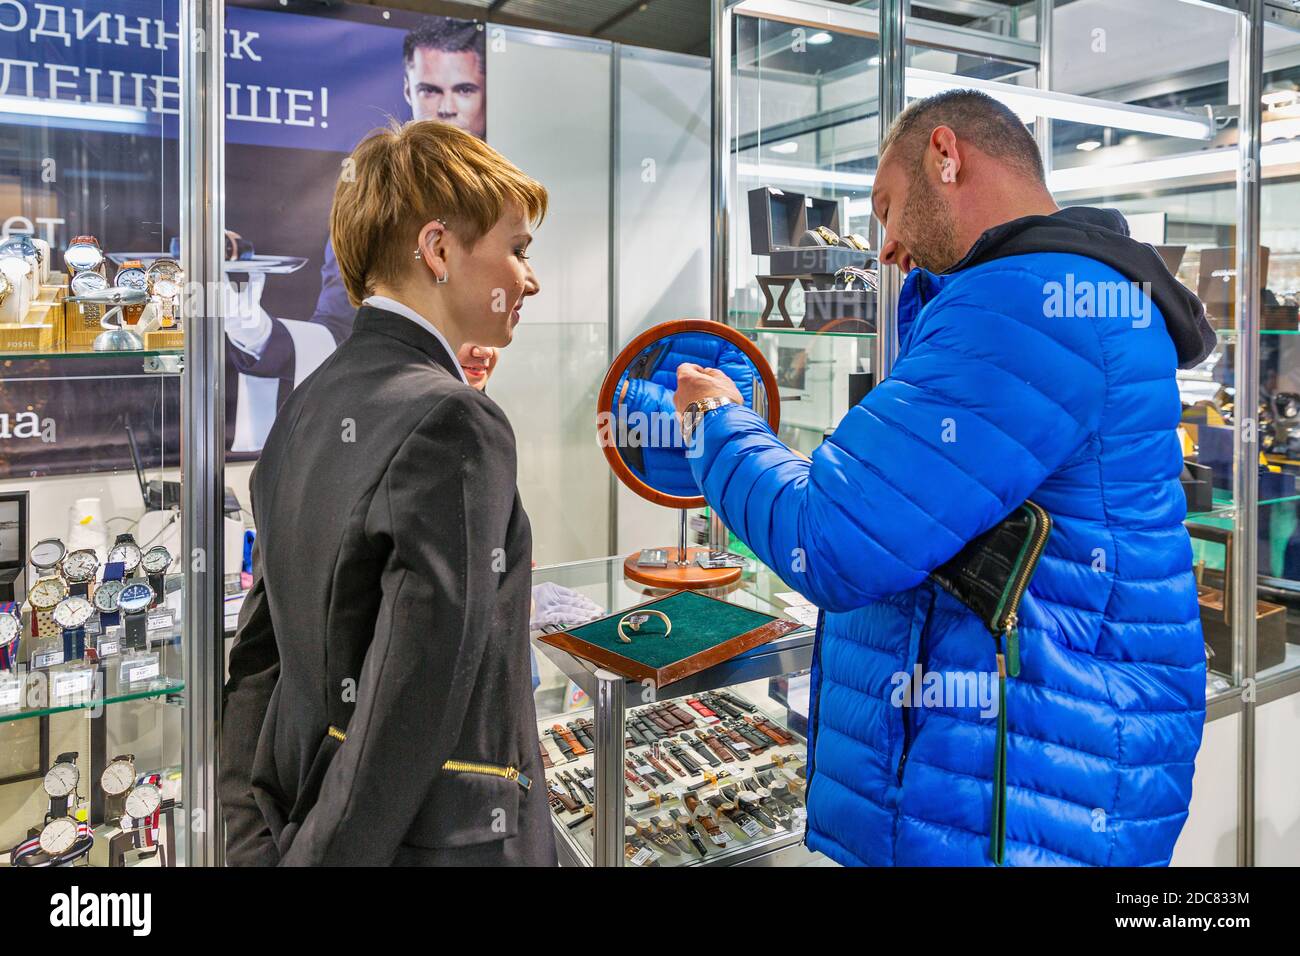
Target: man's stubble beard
(929,224)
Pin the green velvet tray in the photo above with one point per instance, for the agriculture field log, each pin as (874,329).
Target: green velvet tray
(706,631)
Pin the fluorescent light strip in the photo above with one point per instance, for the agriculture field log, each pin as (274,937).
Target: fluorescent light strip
(1211,161)
(782,173)
(62,109)
(1027,101)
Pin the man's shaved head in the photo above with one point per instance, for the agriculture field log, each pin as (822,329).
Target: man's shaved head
(976,118)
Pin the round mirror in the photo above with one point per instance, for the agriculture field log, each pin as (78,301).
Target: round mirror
(642,437)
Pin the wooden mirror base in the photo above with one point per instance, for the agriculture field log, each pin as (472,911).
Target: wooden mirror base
(689,577)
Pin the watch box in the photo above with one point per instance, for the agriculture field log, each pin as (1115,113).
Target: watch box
(1215,600)
(776,219)
(1198,486)
(705,631)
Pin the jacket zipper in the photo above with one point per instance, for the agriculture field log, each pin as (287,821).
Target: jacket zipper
(907,711)
(489,770)
(814,699)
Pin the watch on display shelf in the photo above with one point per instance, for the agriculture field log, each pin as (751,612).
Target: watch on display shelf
(11,632)
(143,809)
(45,596)
(165,278)
(132,276)
(60,784)
(83,255)
(116,781)
(127,552)
(700,781)
(61,842)
(79,570)
(134,602)
(71,615)
(155,562)
(106,596)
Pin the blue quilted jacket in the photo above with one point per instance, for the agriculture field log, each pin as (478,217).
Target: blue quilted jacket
(1003,390)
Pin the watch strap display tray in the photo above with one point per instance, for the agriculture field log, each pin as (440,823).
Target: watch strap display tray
(705,631)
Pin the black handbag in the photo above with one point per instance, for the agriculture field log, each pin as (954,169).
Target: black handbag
(990,576)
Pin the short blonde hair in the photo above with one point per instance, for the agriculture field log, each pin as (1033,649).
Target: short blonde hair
(405,175)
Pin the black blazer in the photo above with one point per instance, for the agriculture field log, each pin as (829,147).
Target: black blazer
(392,579)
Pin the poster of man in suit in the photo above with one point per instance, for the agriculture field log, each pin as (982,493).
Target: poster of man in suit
(304,85)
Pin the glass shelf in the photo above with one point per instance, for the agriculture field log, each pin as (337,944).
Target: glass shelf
(1224,507)
(80,354)
(778,330)
(109,689)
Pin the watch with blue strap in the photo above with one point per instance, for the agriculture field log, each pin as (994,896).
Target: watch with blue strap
(71,615)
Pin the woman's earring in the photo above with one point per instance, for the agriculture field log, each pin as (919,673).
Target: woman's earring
(417,254)
(442,279)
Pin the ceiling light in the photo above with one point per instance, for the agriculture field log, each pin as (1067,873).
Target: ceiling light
(789,146)
(1029,101)
(1207,162)
(784,173)
(1088,145)
(873,61)
(64,109)
(820,37)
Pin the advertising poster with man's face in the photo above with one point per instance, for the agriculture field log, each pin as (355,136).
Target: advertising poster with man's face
(95,153)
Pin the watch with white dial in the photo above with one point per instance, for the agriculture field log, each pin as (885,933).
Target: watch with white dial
(71,614)
(155,562)
(11,631)
(165,279)
(62,841)
(83,255)
(143,810)
(696,411)
(116,782)
(79,569)
(45,596)
(87,283)
(127,552)
(61,782)
(132,276)
(47,555)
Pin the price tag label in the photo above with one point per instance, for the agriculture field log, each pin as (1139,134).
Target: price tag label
(721,839)
(739,745)
(159,621)
(644,769)
(70,683)
(93,628)
(108,648)
(11,691)
(140,668)
(48,659)
(642,856)
(751,827)
(588,784)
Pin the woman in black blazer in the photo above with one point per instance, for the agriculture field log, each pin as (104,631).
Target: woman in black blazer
(379,709)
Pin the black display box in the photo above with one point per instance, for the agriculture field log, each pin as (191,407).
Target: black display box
(779,223)
(839,310)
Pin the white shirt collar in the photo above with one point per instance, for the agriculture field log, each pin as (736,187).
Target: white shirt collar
(392,305)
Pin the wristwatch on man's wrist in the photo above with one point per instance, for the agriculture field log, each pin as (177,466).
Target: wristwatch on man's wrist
(696,411)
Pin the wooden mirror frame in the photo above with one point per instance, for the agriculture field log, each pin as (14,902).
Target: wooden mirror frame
(605,403)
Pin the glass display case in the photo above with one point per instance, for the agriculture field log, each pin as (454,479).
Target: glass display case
(708,770)
(97,476)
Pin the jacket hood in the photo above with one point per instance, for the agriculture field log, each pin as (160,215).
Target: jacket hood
(1102,234)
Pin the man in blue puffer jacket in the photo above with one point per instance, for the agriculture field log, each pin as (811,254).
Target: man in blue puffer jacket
(1037,352)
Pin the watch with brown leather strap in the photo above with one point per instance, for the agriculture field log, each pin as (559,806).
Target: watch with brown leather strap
(721,752)
(766,731)
(567,735)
